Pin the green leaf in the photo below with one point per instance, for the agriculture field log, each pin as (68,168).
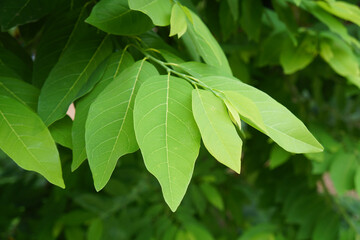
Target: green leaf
(343,171)
(344,10)
(252,11)
(25,138)
(61,131)
(212,195)
(19,12)
(332,23)
(59,33)
(234,8)
(262,231)
(116,63)
(167,134)
(70,74)
(197,231)
(11,86)
(278,157)
(338,55)
(115,17)
(158,10)
(264,113)
(21,67)
(233,114)
(217,131)
(178,23)
(357,180)
(109,131)
(205,43)
(294,58)
(200,70)
(327,226)
(95,230)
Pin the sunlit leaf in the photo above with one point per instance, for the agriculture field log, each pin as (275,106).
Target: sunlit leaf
(25,138)
(109,131)
(158,10)
(217,131)
(167,134)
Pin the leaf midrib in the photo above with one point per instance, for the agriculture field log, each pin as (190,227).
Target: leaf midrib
(22,142)
(124,119)
(78,79)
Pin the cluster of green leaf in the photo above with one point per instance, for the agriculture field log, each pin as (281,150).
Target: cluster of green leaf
(135,88)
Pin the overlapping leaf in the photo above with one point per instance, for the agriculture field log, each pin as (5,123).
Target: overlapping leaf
(25,138)
(13,87)
(59,33)
(115,17)
(217,131)
(109,128)
(205,43)
(167,134)
(105,73)
(19,12)
(267,115)
(158,10)
(70,74)
(61,131)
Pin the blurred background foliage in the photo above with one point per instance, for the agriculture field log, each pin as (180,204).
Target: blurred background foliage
(305,54)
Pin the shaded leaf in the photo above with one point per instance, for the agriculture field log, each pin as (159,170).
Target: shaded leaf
(70,74)
(115,17)
(343,171)
(19,12)
(278,157)
(251,18)
(167,134)
(59,33)
(13,87)
(212,195)
(25,138)
(61,131)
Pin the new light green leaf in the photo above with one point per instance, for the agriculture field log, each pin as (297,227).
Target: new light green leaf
(12,86)
(109,131)
(344,10)
(294,58)
(178,23)
(167,134)
(267,115)
(158,10)
(331,22)
(70,74)
(116,63)
(217,131)
(25,139)
(338,55)
(115,17)
(205,43)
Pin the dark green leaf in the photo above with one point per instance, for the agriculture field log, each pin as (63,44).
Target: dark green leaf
(69,75)
(61,131)
(115,17)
